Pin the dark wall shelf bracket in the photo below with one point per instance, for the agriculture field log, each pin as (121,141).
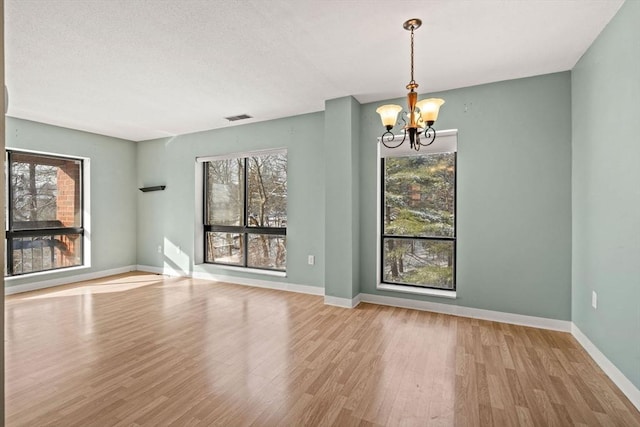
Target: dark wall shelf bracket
(156,188)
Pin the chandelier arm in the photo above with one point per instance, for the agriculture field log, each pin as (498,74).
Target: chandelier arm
(429,135)
(404,137)
(388,136)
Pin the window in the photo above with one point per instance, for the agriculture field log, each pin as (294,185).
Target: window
(418,216)
(44,213)
(245,211)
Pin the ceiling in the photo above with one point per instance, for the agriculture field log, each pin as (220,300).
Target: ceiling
(144,69)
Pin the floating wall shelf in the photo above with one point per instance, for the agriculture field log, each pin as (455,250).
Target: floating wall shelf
(156,188)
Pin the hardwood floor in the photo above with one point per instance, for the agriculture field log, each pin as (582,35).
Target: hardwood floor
(141,349)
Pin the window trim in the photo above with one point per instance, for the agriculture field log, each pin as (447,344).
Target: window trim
(84,230)
(446,142)
(244,230)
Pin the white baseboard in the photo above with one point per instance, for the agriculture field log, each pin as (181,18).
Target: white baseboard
(342,302)
(166,271)
(619,379)
(281,286)
(49,283)
(476,313)
(151,269)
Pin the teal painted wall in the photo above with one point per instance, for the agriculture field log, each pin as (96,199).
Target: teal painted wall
(514,195)
(606,191)
(342,123)
(355,199)
(113,189)
(167,218)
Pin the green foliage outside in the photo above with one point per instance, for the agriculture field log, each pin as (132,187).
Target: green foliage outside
(419,201)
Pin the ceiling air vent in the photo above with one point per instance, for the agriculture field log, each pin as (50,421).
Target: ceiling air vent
(238,117)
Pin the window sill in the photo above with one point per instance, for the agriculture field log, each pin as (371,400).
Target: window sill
(441,293)
(46,273)
(257,271)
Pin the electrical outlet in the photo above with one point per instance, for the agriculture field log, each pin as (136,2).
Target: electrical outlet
(159,249)
(594,299)
(311,260)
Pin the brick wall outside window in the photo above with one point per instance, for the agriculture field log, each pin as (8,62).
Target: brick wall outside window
(69,209)
(46,223)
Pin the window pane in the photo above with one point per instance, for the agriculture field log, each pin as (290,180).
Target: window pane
(225,192)
(267,251)
(46,192)
(419,195)
(267,196)
(31,254)
(418,262)
(225,248)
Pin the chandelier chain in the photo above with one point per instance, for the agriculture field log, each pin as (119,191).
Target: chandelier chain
(412,80)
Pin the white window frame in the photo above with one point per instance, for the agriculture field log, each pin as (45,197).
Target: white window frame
(446,142)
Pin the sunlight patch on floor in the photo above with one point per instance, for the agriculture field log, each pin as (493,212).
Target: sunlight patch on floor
(122,284)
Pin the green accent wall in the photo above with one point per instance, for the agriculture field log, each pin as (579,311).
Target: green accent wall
(113,190)
(342,160)
(514,195)
(606,191)
(166,219)
(514,200)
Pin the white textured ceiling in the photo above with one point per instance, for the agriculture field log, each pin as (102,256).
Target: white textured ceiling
(143,69)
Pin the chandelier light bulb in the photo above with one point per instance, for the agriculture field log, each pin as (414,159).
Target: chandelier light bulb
(389,115)
(429,109)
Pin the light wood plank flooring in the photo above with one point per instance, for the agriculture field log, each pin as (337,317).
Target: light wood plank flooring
(141,349)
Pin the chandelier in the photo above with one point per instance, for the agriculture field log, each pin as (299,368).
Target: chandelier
(421,115)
